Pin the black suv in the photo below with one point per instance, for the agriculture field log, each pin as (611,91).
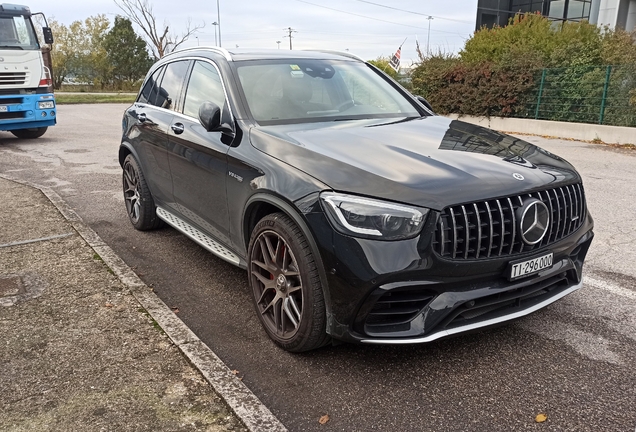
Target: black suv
(359,214)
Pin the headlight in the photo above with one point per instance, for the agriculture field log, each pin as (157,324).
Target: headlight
(370,218)
(46,105)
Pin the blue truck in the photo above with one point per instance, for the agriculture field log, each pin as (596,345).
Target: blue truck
(27,102)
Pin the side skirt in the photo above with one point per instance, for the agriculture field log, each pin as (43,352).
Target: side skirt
(198,236)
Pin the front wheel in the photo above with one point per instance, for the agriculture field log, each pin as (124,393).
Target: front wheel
(31,133)
(139,203)
(286,286)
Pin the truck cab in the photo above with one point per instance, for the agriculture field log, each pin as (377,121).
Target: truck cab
(27,103)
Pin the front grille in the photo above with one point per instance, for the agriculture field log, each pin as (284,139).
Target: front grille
(12,115)
(396,308)
(11,101)
(488,229)
(12,78)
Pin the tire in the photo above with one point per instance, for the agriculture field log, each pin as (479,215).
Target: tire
(29,133)
(286,285)
(140,206)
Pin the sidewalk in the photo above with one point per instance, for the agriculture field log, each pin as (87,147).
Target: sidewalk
(77,351)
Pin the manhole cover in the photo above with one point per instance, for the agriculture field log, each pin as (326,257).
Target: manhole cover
(15,288)
(11,286)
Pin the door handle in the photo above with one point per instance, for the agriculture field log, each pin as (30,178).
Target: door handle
(141,118)
(177,128)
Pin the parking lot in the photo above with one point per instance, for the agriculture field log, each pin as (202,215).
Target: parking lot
(572,361)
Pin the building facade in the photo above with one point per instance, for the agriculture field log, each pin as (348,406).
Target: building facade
(612,13)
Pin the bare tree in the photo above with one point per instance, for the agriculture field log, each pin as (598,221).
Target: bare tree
(159,38)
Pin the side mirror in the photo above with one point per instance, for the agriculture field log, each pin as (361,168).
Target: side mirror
(216,119)
(424,102)
(48,35)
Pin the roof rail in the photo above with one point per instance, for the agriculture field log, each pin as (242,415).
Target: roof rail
(225,53)
(344,54)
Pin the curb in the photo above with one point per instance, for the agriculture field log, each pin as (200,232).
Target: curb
(245,404)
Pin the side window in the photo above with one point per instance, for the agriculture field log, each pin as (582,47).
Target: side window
(168,94)
(205,85)
(149,92)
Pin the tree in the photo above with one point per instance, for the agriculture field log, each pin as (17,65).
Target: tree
(160,40)
(63,53)
(78,52)
(382,63)
(92,65)
(126,52)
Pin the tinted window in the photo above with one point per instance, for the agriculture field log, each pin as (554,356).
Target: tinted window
(149,92)
(168,94)
(205,85)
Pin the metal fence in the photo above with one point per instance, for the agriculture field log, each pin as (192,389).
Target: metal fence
(585,94)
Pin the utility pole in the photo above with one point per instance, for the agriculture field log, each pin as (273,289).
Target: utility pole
(218,19)
(428,39)
(290,31)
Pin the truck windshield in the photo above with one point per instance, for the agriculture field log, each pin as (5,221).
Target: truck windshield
(16,32)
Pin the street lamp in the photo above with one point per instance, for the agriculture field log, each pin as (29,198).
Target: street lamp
(278,42)
(215,24)
(197,40)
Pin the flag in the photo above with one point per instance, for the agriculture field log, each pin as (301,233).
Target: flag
(395,60)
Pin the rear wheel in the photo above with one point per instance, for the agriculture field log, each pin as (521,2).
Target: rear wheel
(31,133)
(286,285)
(139,203)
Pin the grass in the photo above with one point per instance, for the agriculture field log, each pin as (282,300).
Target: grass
(91,98)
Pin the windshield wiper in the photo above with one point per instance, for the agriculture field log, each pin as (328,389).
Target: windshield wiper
(12,47)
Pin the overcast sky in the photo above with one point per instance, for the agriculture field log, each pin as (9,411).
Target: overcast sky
(363,28)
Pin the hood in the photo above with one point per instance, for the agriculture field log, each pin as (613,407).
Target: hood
(430,162)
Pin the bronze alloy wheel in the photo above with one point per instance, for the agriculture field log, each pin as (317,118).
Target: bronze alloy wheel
(131,192)
(277,284)
(286,285)
(139,203)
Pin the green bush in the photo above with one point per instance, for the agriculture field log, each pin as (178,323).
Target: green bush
(499,73)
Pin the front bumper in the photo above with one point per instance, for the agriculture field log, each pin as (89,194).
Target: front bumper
(22,111)
(403,292)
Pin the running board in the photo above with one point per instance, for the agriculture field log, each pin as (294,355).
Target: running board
(198,236)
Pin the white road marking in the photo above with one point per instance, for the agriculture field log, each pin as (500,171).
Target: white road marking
(607,286)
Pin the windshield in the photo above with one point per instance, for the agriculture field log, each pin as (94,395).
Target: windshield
(297,91)
(16,32)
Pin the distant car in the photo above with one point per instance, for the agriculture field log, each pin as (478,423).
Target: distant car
(359,214)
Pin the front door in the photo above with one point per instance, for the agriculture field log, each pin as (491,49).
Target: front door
(198,158)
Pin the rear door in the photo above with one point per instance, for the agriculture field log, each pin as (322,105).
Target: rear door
(198,158)
(152,116)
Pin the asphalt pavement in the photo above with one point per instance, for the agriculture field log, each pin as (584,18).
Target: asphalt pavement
(572,361)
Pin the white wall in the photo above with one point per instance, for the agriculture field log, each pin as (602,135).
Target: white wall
(608,12)
(621,12)
(630,25)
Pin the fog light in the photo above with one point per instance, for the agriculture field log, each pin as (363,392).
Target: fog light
(52,113)
(46,105)
(43,113)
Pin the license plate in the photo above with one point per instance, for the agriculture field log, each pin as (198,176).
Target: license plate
(531,266)
(4,108)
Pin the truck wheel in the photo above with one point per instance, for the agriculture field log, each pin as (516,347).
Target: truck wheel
(29,133)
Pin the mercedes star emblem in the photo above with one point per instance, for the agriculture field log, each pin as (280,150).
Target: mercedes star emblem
(534,221)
